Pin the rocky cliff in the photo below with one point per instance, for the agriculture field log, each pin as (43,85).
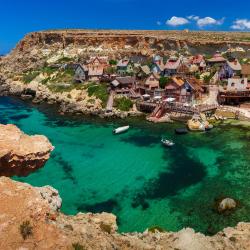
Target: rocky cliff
(36,223)
(38,47)
(21,154)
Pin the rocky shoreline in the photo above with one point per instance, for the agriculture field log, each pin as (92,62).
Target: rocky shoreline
(39,211)
(77,103)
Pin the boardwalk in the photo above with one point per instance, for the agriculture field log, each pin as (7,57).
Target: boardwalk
(110,102)
(166,107)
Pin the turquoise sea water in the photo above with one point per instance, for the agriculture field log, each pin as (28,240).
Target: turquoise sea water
(133,176)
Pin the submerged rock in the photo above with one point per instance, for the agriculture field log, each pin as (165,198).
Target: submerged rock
(21,154)
(226,205)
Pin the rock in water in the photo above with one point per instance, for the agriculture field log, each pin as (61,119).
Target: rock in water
(227,204)
(21,154)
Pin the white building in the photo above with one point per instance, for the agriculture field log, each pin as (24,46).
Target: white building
(237,84)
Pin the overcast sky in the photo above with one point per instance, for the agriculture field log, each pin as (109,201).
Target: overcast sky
(20,17)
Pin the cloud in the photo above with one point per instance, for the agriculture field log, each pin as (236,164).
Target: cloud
(241,24)
(159,23)
(208,21)
(177,21)
(193,17)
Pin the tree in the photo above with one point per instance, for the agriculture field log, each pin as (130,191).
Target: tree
(110,70)
(164,81)
(112,62)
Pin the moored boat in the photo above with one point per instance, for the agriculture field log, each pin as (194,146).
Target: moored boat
(181,131)
(120,130)
(167,143)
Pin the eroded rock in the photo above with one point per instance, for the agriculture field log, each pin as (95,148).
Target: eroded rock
(21,154)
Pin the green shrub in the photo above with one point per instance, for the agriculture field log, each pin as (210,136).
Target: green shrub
(49,70)
(207,78)
(112,62)
(26,229)
(77,246)
(61,88)
(64,59)
(30,76)
(123,103)
(164,81)
(99,91)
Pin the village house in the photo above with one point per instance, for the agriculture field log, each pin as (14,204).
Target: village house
(184,90)
(142,72)
(229,69)
(237,84)
(158,65)
(125,67)
(96,66)
(81,73)
(216,60)
(124,85)
(171,66)
(173,89)
(152,82)
(199,61)
(183,69)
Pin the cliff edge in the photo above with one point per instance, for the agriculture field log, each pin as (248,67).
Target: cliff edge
(21,154)
(36,223)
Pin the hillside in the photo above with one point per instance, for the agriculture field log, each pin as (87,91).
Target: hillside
(38,47)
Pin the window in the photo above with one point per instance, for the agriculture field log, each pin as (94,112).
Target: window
(242,82)
(232,84)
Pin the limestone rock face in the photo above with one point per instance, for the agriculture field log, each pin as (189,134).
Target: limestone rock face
(21,154)
(49,46)
(20,202)
(227,204)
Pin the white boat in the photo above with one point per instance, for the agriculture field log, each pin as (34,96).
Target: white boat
(167,143)
(120,130)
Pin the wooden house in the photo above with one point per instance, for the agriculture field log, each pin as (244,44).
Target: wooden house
(124,82)
(142,72)
(96,67)
(125,67)
(152,82)
(229,69)
(237,84)
(171,66)
(158,65)
(173,88)
(216,60)
(199,61)
(81,73)
(184,90)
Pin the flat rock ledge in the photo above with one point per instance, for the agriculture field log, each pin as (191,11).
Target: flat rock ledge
(51,229)
(21,154)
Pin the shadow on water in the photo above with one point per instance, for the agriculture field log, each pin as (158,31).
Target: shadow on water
(141,140)
(183,172)
(109,206)
(67,168)
(19,117)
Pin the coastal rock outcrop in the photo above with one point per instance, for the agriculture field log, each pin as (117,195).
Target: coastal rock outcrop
(47,228)
(226,205)
(21,154)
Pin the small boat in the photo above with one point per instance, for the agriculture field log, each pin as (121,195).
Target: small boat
(120,130)
(181,131)
(167,143)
